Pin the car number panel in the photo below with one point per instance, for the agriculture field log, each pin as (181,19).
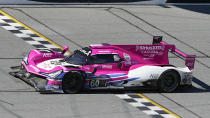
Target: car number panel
(97,83)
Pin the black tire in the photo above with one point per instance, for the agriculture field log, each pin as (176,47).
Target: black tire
(73,82)
(168,81)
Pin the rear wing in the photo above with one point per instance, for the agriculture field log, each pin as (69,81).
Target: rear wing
(189,59)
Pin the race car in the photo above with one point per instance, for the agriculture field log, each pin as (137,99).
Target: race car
(105,66)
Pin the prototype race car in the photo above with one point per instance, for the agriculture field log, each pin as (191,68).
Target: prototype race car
(105,66)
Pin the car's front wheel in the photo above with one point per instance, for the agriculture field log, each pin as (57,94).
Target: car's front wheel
(168,81)
(73,82)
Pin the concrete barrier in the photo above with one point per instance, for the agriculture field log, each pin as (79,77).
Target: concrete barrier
(146,2)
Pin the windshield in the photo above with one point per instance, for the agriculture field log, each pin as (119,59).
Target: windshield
(77,58)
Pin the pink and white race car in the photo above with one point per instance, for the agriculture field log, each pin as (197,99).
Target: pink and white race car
(105,66)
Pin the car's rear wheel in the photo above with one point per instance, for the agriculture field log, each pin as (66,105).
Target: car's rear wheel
(168,81)
(73,82)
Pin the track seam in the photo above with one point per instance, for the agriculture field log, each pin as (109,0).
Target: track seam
(10,111)
(2,101)
(109,10)
(150,33)
(161,30)
(180,105)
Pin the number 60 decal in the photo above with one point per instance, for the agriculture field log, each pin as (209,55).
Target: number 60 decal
(97,83)
(94,83)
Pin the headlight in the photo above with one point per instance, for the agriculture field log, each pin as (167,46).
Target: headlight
(25,59)
(55,74)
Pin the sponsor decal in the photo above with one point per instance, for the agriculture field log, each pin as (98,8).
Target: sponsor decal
(149,47)
(47,55)
(104,51)
(149,55)
(87,53)
(127,57)
(187,78)
(36,69)
(55,63)
(148,58)
(107,66)
(160,53)
(151,51)
(86,68)
(154,76)
(97,66)
(131,62)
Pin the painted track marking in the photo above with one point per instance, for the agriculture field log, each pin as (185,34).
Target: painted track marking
(26,33)
(147,106)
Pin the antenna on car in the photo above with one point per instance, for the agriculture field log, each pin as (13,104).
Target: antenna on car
(157,39)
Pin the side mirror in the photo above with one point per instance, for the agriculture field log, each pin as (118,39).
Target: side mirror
(65,48)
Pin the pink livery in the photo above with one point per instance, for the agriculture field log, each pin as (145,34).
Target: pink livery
(106,66)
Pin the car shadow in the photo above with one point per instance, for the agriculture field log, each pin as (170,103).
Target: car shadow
(204,88)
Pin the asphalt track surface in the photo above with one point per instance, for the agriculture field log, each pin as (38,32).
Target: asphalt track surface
(79,26)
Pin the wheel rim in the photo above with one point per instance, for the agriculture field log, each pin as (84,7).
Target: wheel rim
(169,82)
(72,84)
